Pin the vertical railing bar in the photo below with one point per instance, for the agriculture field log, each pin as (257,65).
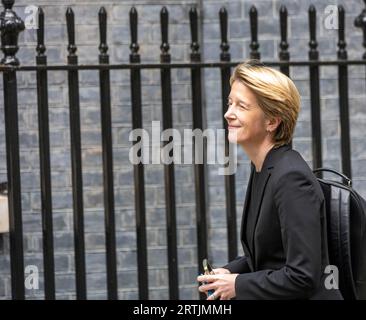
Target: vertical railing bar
(315,93)
(254,44)
(169,168)
(229,179)
(138,168)
(76,165)
(199,168)
(11,26)
(283,54)
(107,150)
(343,96)
(45,164)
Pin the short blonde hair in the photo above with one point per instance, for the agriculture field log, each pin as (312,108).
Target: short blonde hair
(276,95)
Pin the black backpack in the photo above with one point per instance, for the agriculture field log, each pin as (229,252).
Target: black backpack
(346,227)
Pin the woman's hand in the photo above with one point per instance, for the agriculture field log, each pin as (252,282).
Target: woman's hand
(222,284)
(221,271)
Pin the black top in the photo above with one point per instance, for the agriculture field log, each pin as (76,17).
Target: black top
(254,199)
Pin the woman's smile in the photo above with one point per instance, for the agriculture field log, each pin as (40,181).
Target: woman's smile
(231,127)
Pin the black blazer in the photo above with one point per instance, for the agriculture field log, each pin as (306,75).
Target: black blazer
(289,252)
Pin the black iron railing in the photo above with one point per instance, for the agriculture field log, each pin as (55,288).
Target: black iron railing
(11,26)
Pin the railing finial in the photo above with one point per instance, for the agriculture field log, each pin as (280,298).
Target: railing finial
(10,26)
(225,55)
(313,44)
(193,19)
(41,48)
(103,47)
(8,4)
(283,54)
(133,28)
(342,52)
(164,23)
(254,44)
(70,24)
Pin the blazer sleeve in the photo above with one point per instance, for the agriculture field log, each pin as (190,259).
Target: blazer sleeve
(238,265)
(299,208)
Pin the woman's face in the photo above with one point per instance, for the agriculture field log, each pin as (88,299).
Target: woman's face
(246,120)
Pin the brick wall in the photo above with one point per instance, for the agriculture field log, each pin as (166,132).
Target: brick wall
(87,40)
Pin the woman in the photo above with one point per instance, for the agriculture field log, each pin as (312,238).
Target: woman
(283,230)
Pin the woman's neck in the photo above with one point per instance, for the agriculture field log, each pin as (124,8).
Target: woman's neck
(257,153)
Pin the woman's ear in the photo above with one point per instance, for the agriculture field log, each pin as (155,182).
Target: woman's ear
(272,124)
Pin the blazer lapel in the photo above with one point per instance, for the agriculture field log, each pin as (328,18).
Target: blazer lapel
(245,212)
(261,188)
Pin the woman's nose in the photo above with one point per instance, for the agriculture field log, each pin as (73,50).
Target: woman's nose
(229,114)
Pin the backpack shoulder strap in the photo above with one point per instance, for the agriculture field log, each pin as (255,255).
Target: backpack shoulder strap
(340,239)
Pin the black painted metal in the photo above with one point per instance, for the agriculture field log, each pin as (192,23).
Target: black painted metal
(105,104)
(11,25)
(199,169)
(178,65)
(343,97)
(77,178)
(138,168)
(45,165)
(283,54)
(166,93)
(229,179)
(254,44)
(315,92)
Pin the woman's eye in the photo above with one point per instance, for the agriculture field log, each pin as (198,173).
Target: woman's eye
(240,106)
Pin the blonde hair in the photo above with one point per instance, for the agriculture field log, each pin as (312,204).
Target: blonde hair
(276,95)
